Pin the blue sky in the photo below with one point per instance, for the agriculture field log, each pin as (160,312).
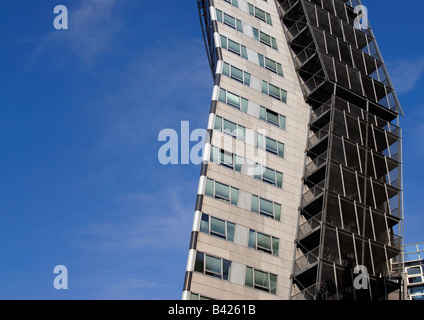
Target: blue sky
(80,114)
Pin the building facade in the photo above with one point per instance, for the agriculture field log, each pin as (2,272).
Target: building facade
(301,179)
(414,271)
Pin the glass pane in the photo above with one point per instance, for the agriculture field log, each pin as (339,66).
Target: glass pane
(247,79)
(226,265)
(222,96)
(222,191)
(199,263)
(264,241)
(224,42)
(258,171)
(252,239)
(229,20)
(249,277)
(244,52)
(262,113)
(255,204)
(234,196)
(226,69)
(256,33)
(238,163)
(274,91)
(261,60)
(272,116)
(209,188)
(274,43)
(264,87)
(279,179)
(213,265)
(218,227)
(273,286)
(227,158)
(271,145)
(268,19)
(275,246)
(260,14)
(280,70)
(204,225)
(277,211)
(265,38)
(282,122)
(281,149)
(270,64)
(218,123)
(233,99)
(415,270)
(269,175)
(219,15)
(235,3)
(261,279)
(266,207)
(194,296)
(233,46)
(237,74)
(230,127)
(260,143)
(214,155)
(244,104)
(251,9)
(284,96)
(230,231)
(239,26)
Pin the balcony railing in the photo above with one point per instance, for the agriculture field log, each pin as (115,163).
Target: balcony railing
(318,136)
(310,225)
(306,294)
(306,261)
(315,163)
(312,193)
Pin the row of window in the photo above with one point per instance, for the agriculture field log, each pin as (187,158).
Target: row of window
(253,10)
(230,194)
(252,109)
(242,27)
(241,50)
(257,140)
(226,230)
(235,162)
(245,78)
(221,269)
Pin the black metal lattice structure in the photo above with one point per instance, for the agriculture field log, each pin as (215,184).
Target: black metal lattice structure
(351,209)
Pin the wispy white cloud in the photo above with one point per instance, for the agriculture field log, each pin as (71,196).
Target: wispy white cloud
(405,74)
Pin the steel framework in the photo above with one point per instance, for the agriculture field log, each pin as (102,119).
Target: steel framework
(351,210)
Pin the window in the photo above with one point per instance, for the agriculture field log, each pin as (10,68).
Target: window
(265,38)
(265,243)
(217,227)
(195,296)
(269,176)
(230,128)
(266,208)
(270,145)
(221,191)
(414,270)
(260,14)
(274,91)
(233,2)
(226,159)
(212,266)
(261,280)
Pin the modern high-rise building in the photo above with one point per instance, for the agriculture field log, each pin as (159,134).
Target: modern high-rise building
(300,190)
(413,270)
